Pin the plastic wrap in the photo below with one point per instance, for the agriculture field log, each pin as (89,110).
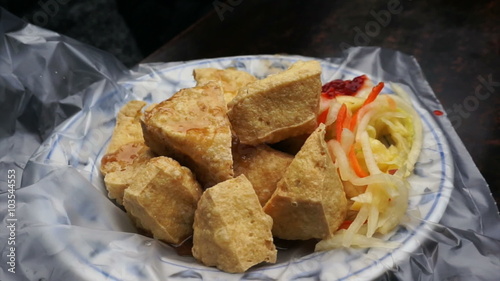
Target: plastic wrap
(59,99)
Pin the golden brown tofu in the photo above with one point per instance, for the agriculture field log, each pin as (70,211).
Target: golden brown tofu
(309,201)
(162,199)
(263,167)
(231,231)
(119,167)
(230,80)
(125,156)
(128,126)
(279,106)
(192,127)
(127,142)
(117,182)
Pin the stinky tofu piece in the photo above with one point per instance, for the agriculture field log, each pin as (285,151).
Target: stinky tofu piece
(230,80)
(128,126)
(162,199)
(116,183)
(119,167)
(263,167)
(125,156)
(231,231)
(309,201)
(127,143)
(192,127)
(279,106)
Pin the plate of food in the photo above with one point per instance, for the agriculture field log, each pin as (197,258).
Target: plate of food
(258,168)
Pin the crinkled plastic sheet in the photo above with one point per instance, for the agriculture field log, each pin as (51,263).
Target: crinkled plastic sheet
(54,90)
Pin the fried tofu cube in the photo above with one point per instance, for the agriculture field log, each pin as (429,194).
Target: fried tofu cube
(309,201)
(125,151)
(230,80)
(192,127)
(126,146)
(119,167)
(279,106)
(128,126)
(117,182)
(231,231)
(125,156)
(162,199)
(263,167)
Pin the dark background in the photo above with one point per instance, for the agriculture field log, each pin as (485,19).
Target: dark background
(129,29)
(457,43)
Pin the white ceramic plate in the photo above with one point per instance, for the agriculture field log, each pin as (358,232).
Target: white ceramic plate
(81,141)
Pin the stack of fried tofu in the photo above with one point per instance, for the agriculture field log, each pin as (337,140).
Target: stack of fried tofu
(203,164)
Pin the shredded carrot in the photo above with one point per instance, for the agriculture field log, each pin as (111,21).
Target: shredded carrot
(345,224)
(371,97)
(374,93)
(355,164)
(341,120)
(354,120)
(323,115)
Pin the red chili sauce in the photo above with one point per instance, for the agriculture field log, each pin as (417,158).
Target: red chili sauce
(343,87)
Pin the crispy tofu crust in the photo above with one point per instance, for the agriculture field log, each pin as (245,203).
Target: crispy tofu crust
(162,199)
(127,155)
(279,106)
(125,150)
(309,201)
(192,127)
(231,231)
(128,126)
(230,80)
(117,182)
(263,167)
(119,167)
